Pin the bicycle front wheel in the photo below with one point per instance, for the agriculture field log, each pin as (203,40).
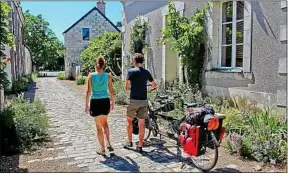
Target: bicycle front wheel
(208,160)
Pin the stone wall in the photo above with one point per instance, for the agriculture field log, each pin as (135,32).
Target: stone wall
(21,61)
(263,76)
(74,43)
(28,62)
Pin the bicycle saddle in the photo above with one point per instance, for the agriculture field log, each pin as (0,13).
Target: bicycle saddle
(190,104)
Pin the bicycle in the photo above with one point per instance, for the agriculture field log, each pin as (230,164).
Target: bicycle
(210,141)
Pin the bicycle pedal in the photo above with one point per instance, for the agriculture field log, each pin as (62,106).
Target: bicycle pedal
(183,166)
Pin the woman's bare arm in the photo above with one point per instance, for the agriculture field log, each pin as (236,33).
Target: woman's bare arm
(88,91)
(111,89)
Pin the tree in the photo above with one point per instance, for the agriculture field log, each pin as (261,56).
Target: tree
(119,24)
(138,36)
(46,50)
(109,46)
(187,38)
(5,39)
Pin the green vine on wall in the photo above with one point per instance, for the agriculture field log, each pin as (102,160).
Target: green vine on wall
(138,36)
(188,40)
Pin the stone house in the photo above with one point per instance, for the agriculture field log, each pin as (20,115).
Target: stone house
(250,60)
(77,37)
(21,63)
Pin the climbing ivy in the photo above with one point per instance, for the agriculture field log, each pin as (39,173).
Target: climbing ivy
(138,36)
(187,39)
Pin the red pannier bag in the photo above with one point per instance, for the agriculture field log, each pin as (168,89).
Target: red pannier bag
(191,139)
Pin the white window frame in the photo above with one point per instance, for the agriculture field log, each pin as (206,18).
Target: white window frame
(234,44)
(89,31)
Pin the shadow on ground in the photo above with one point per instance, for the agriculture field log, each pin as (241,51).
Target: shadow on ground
(121,164)
(30,93)
(225,170)
(10,164)
(166,156)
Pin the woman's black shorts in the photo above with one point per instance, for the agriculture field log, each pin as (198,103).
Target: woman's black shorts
(99,107)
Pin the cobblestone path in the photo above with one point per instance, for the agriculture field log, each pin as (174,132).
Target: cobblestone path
(76,133)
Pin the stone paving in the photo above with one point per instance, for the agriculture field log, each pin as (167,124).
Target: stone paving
(76,133)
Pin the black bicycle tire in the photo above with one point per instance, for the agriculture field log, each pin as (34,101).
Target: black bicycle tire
(156,130)
(206,169)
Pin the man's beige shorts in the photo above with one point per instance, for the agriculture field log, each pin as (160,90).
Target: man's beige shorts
(138,107)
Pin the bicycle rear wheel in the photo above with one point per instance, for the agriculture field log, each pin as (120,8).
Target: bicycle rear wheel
(208,160)
(152,127)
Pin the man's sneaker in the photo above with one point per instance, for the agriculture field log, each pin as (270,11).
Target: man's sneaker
(110,148)
(128,145)
(139,149)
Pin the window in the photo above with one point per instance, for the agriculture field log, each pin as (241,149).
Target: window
(85,33)
(231,35)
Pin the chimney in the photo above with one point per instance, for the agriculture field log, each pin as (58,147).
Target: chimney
(101,6)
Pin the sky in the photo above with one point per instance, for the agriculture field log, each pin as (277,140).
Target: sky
(62,14)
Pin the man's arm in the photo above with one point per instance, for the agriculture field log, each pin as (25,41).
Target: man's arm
(127,82)
(127,85)
(153,83)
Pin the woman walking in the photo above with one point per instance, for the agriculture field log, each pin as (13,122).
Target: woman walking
(100,102)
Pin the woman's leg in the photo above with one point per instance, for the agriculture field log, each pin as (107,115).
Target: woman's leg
(100,132)
(106,128)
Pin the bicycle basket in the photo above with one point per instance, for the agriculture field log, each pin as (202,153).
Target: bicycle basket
(191,139)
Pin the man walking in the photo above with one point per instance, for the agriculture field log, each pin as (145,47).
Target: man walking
(136,82)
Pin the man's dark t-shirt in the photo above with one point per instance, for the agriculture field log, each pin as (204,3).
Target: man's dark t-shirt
(138,78)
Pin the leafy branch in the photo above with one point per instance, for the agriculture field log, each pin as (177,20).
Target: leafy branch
(187,39)
(107,45)
(5,39)
(138,36)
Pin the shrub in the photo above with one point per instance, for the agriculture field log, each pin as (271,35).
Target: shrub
(262,136)
(269,135)
(253,132)
(235,121)
(34,75)
(4,82)
(31,77)
(8,136)
(121,96)
(107,45)
(80,80)
(28,121)
(20,85)
(61,76)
